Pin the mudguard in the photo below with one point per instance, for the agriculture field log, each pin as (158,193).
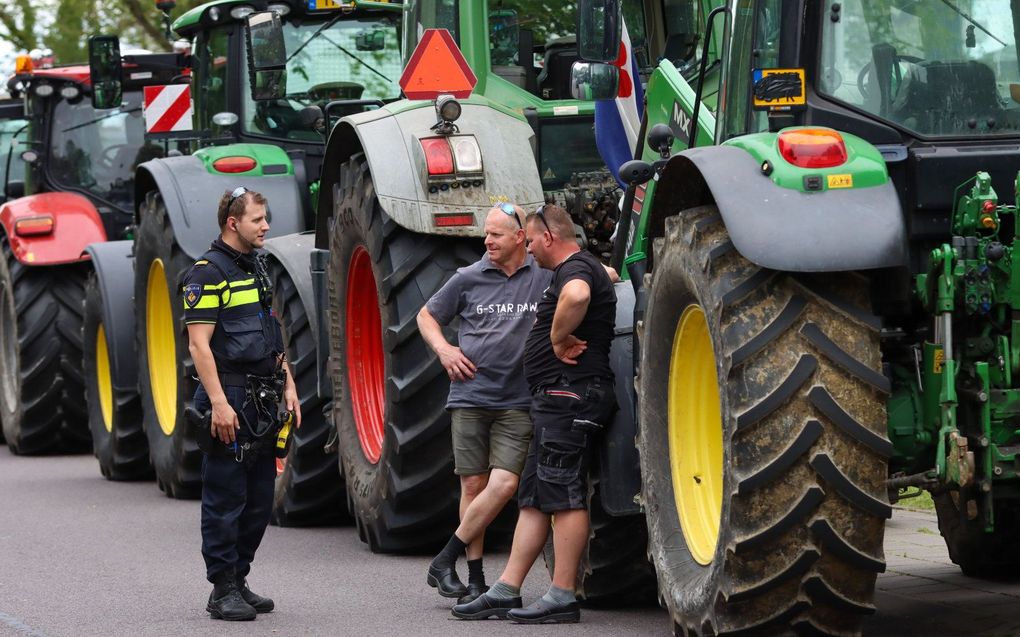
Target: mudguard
(293,252)
(783,229)
(113,262)
(76,223)
(389,139)
(619,463)
(191,194)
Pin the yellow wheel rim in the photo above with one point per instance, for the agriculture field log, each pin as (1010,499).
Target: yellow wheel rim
(103,381)
(695,434)
(162,348)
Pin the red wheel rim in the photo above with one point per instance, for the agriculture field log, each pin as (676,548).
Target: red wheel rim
(365,367)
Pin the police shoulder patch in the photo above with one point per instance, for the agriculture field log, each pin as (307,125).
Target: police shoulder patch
(192,294)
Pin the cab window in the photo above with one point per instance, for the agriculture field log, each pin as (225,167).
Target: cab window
(213,49)
(350,60)
(533,45)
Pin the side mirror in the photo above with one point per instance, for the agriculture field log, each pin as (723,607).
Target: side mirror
(598,30)
(105,71)
(267,56)
(14,189)
(594,81)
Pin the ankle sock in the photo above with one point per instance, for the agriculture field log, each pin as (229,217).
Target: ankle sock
(448,556)
(559,596)
(475,573)
(502,590)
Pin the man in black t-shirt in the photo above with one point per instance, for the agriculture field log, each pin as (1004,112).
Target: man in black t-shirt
(566,365)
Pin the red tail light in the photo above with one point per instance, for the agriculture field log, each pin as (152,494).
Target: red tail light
(237,164)
(31,226)
(812,147)
(445,220)
(438,156)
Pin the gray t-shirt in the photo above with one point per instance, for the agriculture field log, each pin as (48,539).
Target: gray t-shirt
(496,313)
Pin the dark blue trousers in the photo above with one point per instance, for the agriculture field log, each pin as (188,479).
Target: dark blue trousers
(237,498)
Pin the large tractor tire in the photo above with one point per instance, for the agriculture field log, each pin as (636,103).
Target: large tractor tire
(165,369)
(761,436)
(42,395)
(390,390)
(993,555)
(309,489)
(115,416)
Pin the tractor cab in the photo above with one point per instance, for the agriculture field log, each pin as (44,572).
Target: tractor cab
(72,146)
(340,59)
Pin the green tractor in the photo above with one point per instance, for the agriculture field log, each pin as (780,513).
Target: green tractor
(821,233)
(403,193)
(342,59)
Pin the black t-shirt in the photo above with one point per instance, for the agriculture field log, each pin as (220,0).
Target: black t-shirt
(541,367)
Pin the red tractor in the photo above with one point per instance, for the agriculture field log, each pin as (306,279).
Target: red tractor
(76,188)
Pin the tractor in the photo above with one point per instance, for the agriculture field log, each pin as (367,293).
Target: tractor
(820,225)
(341,58)
(402,196)
(67,183)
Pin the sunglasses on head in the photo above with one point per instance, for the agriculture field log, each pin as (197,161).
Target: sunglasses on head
(510,210)
(540,213)
(237,194)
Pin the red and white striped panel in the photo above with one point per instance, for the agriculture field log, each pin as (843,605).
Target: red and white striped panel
(167,108)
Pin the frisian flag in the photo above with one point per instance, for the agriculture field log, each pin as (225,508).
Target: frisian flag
(618,121)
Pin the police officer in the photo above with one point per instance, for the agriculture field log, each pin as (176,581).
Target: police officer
(237,347)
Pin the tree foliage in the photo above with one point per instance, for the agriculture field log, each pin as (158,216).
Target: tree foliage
(65,25)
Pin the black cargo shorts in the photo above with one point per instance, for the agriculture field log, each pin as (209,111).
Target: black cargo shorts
(569,417)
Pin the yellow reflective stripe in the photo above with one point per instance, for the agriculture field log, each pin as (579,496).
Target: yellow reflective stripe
(213,288)
(242,282)
(201,262)
(210,302)
(242,297)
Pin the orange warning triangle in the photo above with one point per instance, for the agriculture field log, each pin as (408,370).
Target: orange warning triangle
(437,67)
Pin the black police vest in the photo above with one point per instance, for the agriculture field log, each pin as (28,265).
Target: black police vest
(245,332)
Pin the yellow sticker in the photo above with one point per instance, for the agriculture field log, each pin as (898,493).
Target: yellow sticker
(498,199)
(939,361)
(841,181)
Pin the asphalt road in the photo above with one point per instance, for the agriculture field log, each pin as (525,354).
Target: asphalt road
(83,556)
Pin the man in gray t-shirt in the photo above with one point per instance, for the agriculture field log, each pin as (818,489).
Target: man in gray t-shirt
(495,299)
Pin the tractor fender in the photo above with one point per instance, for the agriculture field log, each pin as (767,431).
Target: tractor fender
(191,194)
(389,140)
(780,228)
(293,253)
(113,262)
(619,464)
(76,223)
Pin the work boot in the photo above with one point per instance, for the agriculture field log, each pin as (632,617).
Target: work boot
(225,601)
(256,601)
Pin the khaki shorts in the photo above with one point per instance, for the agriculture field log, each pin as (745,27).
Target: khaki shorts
(484,439)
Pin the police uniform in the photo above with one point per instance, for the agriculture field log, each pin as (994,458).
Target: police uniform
(225,288)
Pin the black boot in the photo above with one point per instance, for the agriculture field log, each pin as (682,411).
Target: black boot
(225,601)
(256,601)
